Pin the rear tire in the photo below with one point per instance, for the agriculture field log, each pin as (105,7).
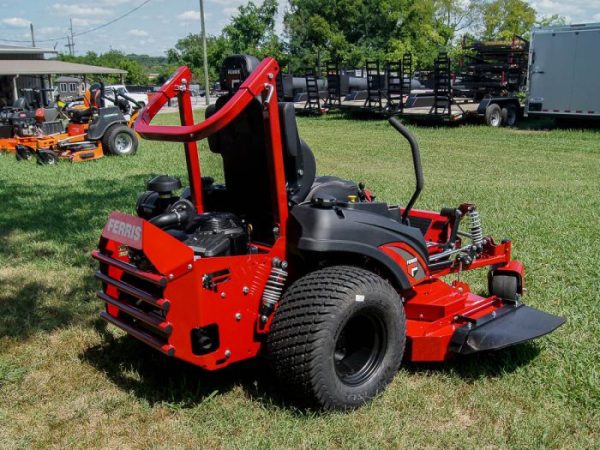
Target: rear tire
(338,336)
(493,115)
(509,116)
(120,140)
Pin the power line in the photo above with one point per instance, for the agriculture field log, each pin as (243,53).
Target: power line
(91,30)
(131,11)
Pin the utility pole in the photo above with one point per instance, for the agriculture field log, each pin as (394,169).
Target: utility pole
(72,46)
(204,57)
(32,35)
(69,45)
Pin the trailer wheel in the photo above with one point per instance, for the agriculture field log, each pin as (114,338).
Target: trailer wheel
(120,140)
(493,115)
(509,116)
(337,338)
(504,286)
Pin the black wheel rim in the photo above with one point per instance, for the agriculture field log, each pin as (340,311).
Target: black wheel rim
(359,348)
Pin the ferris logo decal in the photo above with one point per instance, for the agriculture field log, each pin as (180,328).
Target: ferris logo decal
(125,229)
(413,267)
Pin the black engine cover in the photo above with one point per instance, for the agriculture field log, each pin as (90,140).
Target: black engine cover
(218,234)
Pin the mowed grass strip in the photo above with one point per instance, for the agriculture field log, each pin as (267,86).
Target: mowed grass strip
(67,380)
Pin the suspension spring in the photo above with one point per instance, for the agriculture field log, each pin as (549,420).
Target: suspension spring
(273,288)
(475,226)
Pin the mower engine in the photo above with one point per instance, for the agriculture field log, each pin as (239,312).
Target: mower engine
(209,234)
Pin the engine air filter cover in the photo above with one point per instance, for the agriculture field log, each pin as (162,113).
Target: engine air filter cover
(164,184)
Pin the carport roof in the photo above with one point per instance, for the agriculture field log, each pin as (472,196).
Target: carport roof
(51,67)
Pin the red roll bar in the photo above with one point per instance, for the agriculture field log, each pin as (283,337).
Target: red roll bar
(261,79)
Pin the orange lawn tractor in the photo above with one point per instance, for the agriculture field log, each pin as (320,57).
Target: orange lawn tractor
(93,130)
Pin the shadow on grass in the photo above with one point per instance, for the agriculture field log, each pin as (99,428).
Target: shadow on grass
(157,379)
(490,364)
(53,228)
(21,311)
(60,218)
(28,306)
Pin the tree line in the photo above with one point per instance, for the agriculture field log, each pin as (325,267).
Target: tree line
(347,32)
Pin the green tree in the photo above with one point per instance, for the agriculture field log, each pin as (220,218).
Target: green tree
(188,52)
(351,31)
(136,74)
(501,19)
(551,21)
(455,16)
(251,30)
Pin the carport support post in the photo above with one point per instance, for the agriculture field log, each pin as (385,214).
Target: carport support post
(204,55)
(15,90)
(49,94)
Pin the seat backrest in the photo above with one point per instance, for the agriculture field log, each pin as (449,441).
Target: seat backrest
(246,166)
(20,103)
(94,96)
(300,166)
(246,161)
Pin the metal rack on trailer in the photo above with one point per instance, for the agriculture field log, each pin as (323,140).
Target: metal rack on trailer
(333,86)
(313,100)
(493,68)
(370,91)
(446,102)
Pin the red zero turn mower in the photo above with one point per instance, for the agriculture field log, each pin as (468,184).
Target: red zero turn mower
(333,286)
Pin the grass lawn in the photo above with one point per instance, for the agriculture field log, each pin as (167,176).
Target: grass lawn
(67,380)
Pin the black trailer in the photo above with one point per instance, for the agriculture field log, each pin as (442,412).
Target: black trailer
(378,89)
(485,91)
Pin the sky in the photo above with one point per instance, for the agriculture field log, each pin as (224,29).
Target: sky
(157,25)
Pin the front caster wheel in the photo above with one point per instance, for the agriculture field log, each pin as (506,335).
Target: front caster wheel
(23,153)
(504,286)
(46,157)
(337,338)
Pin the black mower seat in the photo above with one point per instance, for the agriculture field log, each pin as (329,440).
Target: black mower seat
(80,115)
(241,166)
(300,165)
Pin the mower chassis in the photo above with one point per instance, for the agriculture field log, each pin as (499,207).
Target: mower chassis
(188,297)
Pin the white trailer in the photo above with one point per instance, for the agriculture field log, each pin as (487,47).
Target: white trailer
(564,72)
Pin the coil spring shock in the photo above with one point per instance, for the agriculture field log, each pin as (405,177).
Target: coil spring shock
(475,226)
(273,288)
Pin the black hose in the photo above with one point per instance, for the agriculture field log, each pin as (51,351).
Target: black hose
(168,220)
(416,156)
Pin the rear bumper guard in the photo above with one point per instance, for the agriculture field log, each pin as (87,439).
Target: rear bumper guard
(147,325)
(146,338)
(509,325)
